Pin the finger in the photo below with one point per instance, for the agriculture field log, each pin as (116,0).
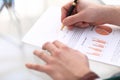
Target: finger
(64,10)
(41,68)
(75,25)
(71,20)
(82,24)
(50,47)
(70,27)
(78,24)
(59,44)
(43,55)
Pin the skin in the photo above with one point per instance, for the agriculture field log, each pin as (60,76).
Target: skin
(63,63)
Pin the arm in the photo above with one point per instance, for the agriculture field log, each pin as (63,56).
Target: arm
(114,17)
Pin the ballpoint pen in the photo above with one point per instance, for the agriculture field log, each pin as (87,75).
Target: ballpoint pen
(70,11)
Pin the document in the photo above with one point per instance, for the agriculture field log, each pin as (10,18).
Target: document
(111,2)
(99,43)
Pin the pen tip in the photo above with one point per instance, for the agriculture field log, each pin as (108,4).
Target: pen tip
(62,27)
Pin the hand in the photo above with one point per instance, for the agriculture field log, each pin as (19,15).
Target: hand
(86,13)
(64,63)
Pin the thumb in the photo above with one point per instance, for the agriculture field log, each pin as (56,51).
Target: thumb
(73,19)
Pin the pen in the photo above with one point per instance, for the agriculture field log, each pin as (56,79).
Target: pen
(70,11)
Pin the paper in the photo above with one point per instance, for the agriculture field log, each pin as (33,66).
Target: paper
(101,43)
(111,2)
(46,28)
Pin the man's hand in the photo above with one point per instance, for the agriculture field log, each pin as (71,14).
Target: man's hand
(88,13)
(64,63)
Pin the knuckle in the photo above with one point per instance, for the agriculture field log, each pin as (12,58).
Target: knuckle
(41,55)
(37,67)
(57,51)
(49,70)
(45,45)
(52,60)
(55,41)
(64,47)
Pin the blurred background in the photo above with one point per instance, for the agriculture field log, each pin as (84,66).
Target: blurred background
(16,18)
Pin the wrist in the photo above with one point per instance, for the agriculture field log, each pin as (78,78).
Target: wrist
(113,15)
(89,76)
(82,73)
